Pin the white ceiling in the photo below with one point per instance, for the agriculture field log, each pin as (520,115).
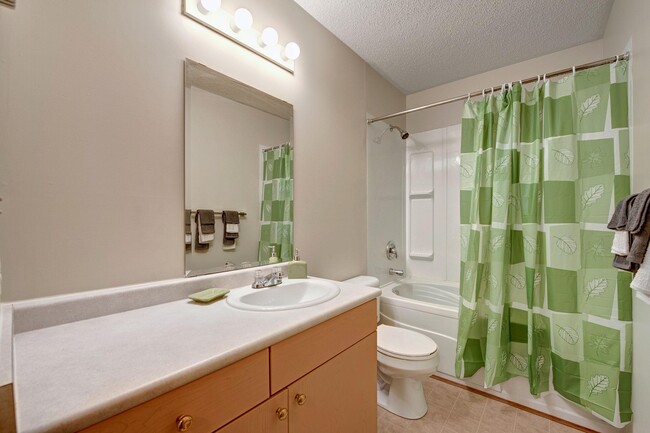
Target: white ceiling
(418,44)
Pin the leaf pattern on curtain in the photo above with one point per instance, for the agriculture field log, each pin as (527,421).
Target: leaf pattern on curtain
(540,173)
(276,214)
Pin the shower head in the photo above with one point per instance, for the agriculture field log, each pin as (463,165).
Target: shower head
(403,133)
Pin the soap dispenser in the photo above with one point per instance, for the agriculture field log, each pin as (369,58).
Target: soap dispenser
(297,268)
(274,257)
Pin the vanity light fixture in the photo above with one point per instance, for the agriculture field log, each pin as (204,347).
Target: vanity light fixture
(291,51)
(238,27)
(269,37)
(207,6)
(243,20)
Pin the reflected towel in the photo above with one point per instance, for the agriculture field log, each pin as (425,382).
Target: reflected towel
(230,219)
(204,227)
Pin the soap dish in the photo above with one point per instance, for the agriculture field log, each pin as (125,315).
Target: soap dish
(208,295)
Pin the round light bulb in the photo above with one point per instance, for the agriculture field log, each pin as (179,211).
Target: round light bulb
(243,19)
(292,51)
(208,6)
(269,37)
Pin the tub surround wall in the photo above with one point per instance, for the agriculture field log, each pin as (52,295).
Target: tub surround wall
(444,146)
(386,151)
(93,149)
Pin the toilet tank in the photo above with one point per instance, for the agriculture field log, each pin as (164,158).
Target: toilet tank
(366,280)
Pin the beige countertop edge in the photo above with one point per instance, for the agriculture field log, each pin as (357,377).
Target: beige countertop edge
(126,400)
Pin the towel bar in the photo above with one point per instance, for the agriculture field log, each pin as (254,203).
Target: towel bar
(218,213)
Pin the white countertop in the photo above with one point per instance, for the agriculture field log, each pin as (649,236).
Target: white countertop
(72,375)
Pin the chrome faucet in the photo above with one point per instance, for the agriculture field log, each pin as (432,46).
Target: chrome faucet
(398,272)
(269,280)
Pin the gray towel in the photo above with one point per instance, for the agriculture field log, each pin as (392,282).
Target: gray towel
(229,217)
(623,209)
(621,262)
(636,219)
(640,243)
(207,220)
(188,228)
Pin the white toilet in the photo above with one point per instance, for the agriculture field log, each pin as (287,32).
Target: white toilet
(404,359)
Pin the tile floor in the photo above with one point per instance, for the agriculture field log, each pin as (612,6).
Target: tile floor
(455,410)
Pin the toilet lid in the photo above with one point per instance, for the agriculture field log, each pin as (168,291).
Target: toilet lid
(404,343)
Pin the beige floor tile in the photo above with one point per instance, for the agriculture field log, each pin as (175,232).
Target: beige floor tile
(470,405)
(440,393)
(560,428)
(498,418)
(527,422)
(461,424)
(432,422)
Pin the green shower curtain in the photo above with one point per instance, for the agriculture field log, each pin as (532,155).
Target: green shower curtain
(541,171)
(276,214)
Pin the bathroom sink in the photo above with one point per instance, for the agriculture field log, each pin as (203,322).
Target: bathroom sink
(291,294)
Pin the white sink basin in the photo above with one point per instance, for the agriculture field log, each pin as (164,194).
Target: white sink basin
(291,294)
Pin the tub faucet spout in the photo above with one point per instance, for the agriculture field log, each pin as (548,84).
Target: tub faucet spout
(398,272)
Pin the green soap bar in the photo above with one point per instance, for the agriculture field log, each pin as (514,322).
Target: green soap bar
(208,295)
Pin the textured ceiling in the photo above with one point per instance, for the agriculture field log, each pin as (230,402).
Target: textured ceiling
(418,44)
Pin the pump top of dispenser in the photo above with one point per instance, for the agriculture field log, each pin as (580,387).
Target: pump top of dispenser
(274,257)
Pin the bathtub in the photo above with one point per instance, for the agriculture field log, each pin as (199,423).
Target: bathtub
(430,308)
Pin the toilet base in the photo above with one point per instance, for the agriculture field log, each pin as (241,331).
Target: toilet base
(403,397)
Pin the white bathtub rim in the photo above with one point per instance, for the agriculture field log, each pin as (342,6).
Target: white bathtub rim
(390,298)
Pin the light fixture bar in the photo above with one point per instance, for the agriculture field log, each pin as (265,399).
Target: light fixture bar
(226,24)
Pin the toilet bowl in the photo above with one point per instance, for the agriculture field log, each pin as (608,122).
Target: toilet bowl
(404,359)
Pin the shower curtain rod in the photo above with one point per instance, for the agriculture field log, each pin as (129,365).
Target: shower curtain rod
(606,61)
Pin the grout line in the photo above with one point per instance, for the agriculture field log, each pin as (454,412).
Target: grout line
(549,417)
(481,418)
(444,424)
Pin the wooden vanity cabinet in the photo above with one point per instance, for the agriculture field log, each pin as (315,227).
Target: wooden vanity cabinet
(329,372)
(272,416)
(321,380)
(337,397)
(210,401)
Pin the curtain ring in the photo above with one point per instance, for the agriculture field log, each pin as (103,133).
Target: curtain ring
(503,88)
(544,77)
(617,56)
(469,96)
(483,93)
(574,70)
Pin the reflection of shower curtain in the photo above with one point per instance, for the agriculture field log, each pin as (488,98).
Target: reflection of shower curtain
(276,218)
(540,174)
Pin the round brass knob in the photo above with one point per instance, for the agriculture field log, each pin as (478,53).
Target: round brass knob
(301,399)
(183,423)
(282,413)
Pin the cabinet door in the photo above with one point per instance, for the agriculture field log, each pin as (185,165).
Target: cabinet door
(210,402)
(340,396)
(265,418)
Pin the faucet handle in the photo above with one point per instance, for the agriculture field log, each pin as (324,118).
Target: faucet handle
(278,273)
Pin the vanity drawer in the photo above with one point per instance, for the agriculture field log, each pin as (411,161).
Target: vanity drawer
(298,355)
(211,401)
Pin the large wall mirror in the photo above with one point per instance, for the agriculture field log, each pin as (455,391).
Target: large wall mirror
(238,174)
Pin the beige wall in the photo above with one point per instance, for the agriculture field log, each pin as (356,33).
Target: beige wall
(450,114)
(91,138)
(383,98)
(629,24)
